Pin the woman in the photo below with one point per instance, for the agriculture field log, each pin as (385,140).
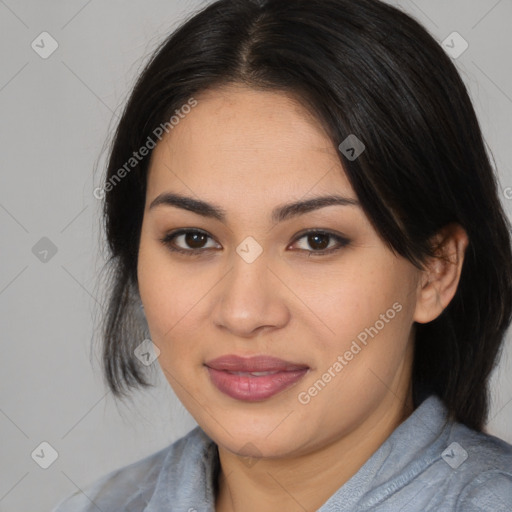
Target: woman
(299,197)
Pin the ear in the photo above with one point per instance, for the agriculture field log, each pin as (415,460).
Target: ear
(440,278)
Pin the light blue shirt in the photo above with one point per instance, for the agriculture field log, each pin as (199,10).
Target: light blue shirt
(426,464)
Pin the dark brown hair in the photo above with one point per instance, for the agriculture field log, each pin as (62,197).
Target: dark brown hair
(363,68)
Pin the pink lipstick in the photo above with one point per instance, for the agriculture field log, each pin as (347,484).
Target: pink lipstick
(253,378)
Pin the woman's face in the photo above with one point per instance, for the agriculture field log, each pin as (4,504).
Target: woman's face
(253,285)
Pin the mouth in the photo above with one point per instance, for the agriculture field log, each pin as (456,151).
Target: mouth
(254,378)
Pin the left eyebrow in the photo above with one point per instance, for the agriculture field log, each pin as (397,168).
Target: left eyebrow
(279,214)
(287,211)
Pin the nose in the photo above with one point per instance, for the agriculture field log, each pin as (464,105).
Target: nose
(250,299)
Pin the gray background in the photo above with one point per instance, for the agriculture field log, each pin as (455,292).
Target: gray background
(56,114)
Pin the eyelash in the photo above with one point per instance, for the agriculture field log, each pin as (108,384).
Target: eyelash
(168,238)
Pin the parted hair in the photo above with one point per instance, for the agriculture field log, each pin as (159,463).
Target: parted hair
(363,68)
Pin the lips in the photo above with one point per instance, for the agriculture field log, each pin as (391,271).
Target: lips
(233,363)
(253,378)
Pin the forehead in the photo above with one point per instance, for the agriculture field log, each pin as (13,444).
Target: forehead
(245,141)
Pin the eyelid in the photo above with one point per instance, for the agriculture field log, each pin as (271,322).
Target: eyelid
(171,236)
(341,240)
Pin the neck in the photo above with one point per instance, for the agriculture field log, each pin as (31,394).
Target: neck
(307,481)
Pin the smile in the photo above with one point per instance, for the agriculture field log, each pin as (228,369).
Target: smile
(254,378)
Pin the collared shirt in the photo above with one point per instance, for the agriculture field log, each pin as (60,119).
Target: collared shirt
(426,464)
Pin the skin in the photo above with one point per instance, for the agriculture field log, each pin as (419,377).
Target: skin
(249,151)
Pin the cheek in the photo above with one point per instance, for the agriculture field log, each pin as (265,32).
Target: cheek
(368,308)
(158,287)
(173,296)
(370,315)
(353,296)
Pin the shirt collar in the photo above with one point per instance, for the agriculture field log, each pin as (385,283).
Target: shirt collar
(188,479)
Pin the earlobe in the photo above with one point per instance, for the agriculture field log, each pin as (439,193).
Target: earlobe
(439,281)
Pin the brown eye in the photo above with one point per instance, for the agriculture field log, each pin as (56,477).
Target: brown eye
(317,242)
(191,241)
(195,240)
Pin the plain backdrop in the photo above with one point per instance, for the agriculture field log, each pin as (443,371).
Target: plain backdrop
(56,113)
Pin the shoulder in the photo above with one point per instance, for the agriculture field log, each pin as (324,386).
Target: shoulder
(131,487)
(489,492)
(481,469)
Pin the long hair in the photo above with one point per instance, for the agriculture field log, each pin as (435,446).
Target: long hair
(362,68)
